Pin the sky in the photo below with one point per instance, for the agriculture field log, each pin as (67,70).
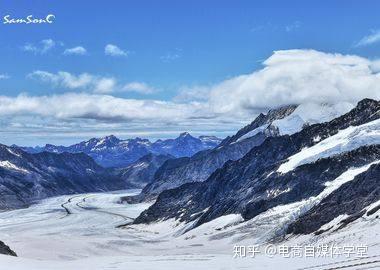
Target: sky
(157,68)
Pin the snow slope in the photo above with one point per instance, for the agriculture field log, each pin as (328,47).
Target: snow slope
(311,113)
(345,140)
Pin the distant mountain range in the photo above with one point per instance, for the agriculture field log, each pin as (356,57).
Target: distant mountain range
(111,151)
(306,179)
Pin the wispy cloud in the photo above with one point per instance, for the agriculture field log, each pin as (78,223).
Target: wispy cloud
(84,81)
(372,38)
(266,26)
(293,26)
(139,87)
(90,82)
(113,50)
(97,107)
(275,27)
(4,76)
(42,47)
(79,50)
(171,56)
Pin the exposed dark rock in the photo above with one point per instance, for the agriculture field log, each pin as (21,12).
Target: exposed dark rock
(4,249)
(349,199)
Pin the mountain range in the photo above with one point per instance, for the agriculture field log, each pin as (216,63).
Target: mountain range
(200,166)
(306,179)
(111,151)
(29,174)
(276,122)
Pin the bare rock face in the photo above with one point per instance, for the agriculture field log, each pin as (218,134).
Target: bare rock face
(4,249)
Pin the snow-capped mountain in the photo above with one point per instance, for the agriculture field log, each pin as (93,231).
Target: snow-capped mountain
(199,167)
(322,177)
(285,120)
(111,151)
(26,177)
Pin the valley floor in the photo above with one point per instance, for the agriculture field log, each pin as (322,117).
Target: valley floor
(91,231)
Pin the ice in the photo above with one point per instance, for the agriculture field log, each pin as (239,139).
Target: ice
(9,165)
(311,113)
(253,132)
(345,140)
(45,237)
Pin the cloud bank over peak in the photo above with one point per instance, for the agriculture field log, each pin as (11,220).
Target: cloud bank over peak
(296,77)
(287,77)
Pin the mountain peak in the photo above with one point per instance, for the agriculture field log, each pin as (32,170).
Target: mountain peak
(110,138)
(260,123)
(184,134)
(367,102)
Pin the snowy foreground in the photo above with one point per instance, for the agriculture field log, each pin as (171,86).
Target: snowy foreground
(86,232)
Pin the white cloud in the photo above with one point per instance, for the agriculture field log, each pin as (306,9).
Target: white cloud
(138,87)
(293,26)
(84,81)
(113,50)
(194,93)
(79,50)
(375,65)
(171,56)
(41,48)
(4,76)
(97,107)
(287,77)
(105,85)
(89,82)
(374,37)
(295,77)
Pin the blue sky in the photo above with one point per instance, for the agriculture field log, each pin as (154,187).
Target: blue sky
(166,49)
